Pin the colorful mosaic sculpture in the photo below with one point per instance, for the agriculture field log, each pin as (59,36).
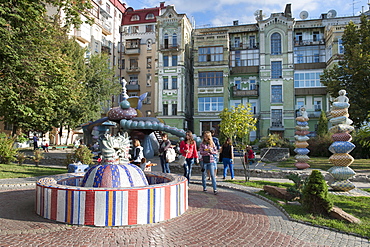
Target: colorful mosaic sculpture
(341,146)
(301,138)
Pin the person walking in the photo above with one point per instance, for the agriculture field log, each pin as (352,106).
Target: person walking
(250,155)
(188,149)
(163,147)
(227,153)
(217,143)
(138,152)
(35,144)
(207,150)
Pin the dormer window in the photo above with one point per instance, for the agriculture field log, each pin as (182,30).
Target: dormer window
(149,16)
(135,18)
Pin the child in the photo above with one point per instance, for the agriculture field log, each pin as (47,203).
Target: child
(146,166)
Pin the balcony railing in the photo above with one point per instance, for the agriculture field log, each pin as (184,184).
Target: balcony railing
(133,87)
(309,42)
(132,69)
(244,93)
(170,47)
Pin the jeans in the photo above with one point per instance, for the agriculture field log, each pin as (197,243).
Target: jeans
(228,163)
(187,167)
(165,165)
(211,168)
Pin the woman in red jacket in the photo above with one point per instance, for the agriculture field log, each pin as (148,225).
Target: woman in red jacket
(188,149)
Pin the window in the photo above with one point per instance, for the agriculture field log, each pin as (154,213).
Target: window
(122,64)
(309,54)
(149,43)
(276,69)
(165,40)
(210,54)
(316,36)
(134,80)
(298,37)
(307,79)
(165,61)
(174,40)
(132,43)
(8,126)
(149,28)
(237,42)
(253,107)
(107,7)
(276,94)
(300,104)
(275,44)
(135,18)
(317,105)
(148,99)
(277,118)
(165,82)
(174,109)
(252,85)
(340,46)
(211,125)
(149,16)
(244,58)
(165,109)
(238,84)
(134,63)
(213,78)
(148,79)
(174,82)
(135,29)
(252,41)
(210,104)
(149,62)
(174,60)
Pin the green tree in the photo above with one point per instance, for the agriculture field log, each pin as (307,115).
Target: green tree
(352,73)
(237,123)
(322,128)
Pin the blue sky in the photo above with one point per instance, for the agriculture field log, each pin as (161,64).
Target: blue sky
(224,12)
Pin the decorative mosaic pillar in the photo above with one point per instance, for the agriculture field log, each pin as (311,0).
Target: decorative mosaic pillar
(301,139)
(341,146)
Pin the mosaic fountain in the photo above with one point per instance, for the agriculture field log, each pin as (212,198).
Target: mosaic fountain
(114,193)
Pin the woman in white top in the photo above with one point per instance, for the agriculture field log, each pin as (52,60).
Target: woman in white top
(138,152)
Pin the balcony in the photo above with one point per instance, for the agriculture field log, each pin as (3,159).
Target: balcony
(245,69)
(133,87)
(133,69)
(132,50)
(169,47)
(242,46)
(106,49)
(309,42)
(244,93)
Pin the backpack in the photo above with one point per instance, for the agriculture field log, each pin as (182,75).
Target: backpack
(170,155)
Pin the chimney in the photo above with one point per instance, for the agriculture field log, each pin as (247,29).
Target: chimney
(161,4)
(288,10)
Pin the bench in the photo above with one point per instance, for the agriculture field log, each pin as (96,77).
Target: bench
(55,147)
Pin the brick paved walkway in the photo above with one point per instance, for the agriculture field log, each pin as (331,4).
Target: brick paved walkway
(231,218)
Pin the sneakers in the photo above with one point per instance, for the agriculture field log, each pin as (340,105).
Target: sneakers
(215,192)
(204,190)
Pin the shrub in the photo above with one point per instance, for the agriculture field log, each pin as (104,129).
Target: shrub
(37,156)
(7,151)
(82,154)
(319,146)
(315,194)
(299,184)
(21,157)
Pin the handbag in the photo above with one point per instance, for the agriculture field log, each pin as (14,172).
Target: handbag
(206,159)
(181,160)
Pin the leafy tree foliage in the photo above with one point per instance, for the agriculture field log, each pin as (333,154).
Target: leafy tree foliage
(45,77)
(237,122)
(315,194)
(322,128)
(352,73)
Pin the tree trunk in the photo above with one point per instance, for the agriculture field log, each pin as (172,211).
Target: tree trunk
(68,131)
(60,134)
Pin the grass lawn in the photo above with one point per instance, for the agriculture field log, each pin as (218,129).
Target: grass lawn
(25,171)
(356,206)
(323,163)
